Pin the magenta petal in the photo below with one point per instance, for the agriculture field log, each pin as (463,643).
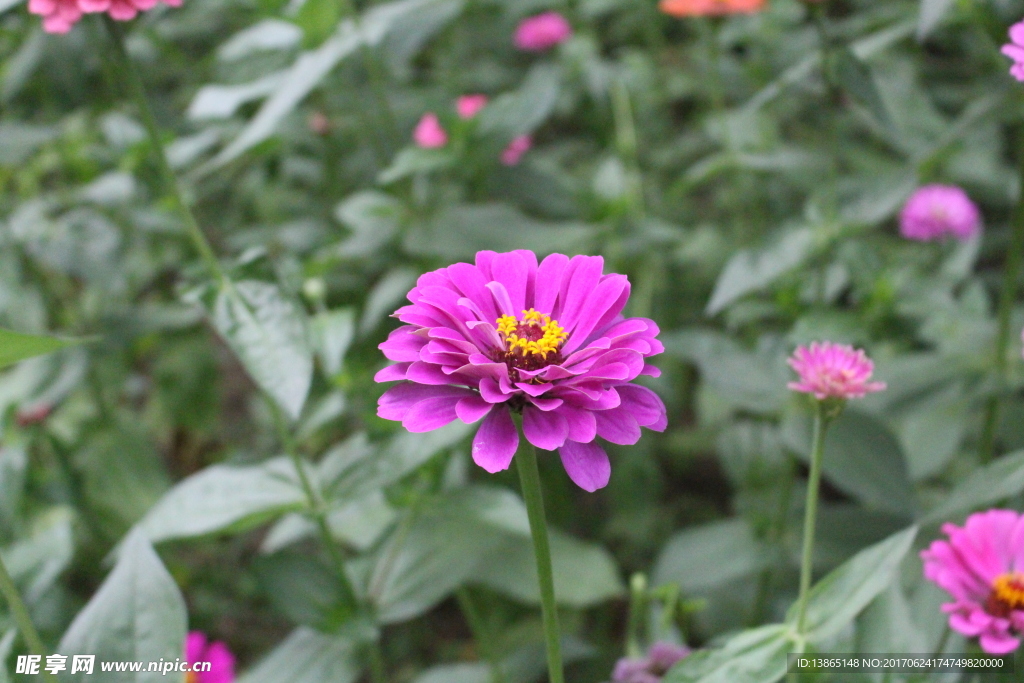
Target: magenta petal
(549,275)
(430,414)
(645,405)
(606,295)
(195,646)
(510,270)
(496,441)
(491,391)
(1017,33)
(586,464)
(222,664)
(581,422)
(547,430)
(472,408)
(618,426)
(392,373)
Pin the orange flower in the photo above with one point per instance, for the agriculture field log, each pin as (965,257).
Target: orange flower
(700,8)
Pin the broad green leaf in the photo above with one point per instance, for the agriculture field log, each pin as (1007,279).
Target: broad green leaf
(37,561)
(887,625)
(138,614)
(268,34)
(411,32)
(994,482)
(302,588)
(374,219)
(839,597)
(932,434)
(15,346)
(9,4)
(317,19)
(413,160)
(519,113)
(456,673)
(223,497)
(754,656)
(19,141)
(706,556)
(385,296)
(307,656)
(931,15)
(751,271)
(332,333)
(268,333)
(855,78)
(6,646)
(222,101)
(358,523)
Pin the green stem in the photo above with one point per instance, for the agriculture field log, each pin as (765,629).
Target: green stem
(127,71)
(378,672)
(317,508)
(1011,276)
(529,480)
(811,515)
(480,633)
(637,614)
(21,615)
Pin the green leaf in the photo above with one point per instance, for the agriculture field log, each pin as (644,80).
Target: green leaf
(36,562)
(839,597)
(413,160)
(268,333)
(754,656)
(374,219)
(138,614)
(307,656)
(303,589)
(931,15)
(456,673)
(15,346)
(707,556)
(332,333)
(521,112)
(855,78)
(317,19)
(1001,479)
(223,497)
(385,296)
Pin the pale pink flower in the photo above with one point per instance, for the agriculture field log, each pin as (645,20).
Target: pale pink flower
(937,211)
(60,15)
(830,370)
(1015,50)
(469,106)
(660,658)
(222,662)
(429,134)
(982,567)
(542,32)
(519,146)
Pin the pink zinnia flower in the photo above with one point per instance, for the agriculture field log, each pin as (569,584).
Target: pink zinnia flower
(660,658)
(830,370)
(982,567)
(937,211)
(60,15)
(542,32)
(519,146)
(507,335)
(428,133)
(469,106)
(222,662)
(1015,50)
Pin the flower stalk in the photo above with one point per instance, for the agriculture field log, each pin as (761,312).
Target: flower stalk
(529,479)
(21,616)
(821,418)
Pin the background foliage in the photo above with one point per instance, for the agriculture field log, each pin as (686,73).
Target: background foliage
(744,172)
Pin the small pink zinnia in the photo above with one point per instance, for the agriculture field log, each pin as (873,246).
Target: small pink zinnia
(542,32)
(660,658)
(222,662)
(982,567)
(519,146)
(830,370)
(428,133)
(469,106)
(60,15)
(1015,50)
(937,211)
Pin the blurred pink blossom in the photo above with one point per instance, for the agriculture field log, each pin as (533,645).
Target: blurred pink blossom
(222,662)
(542,32)
(469,106)
(516,149)
(660,658)
(937,211)
(1015,50)
(428,133)
(60,15)
(830,370)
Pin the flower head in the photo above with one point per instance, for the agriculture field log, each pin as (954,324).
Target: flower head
(519,146)
(60,15)
(982,567)
(542,32)
(508,335)
(428,133)
(469,106)
(701,8)
(937,211)
(222,662)
(660,658)
(1015,50)
(830,370)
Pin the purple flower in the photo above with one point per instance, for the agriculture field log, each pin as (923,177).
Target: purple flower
(937,211)
(548,341)
(217,654)
(542,32)
(660,658)
(830,370)
(1015,50)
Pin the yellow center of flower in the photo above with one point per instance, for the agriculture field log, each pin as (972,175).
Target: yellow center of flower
(1007,594)
(532,341)
(191,677)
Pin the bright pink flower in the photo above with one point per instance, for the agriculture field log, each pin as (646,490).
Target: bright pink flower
(222,662)
(1015,50)
(428,133)
(660,658)
(469,106)
(542,32)
(508,335)
(937,211)
(60,15)
(519,146)
(982,567)
(830,370)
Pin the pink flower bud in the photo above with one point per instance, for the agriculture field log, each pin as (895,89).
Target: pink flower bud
(542,32)
(469,106)
(429,134)
(516,149)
